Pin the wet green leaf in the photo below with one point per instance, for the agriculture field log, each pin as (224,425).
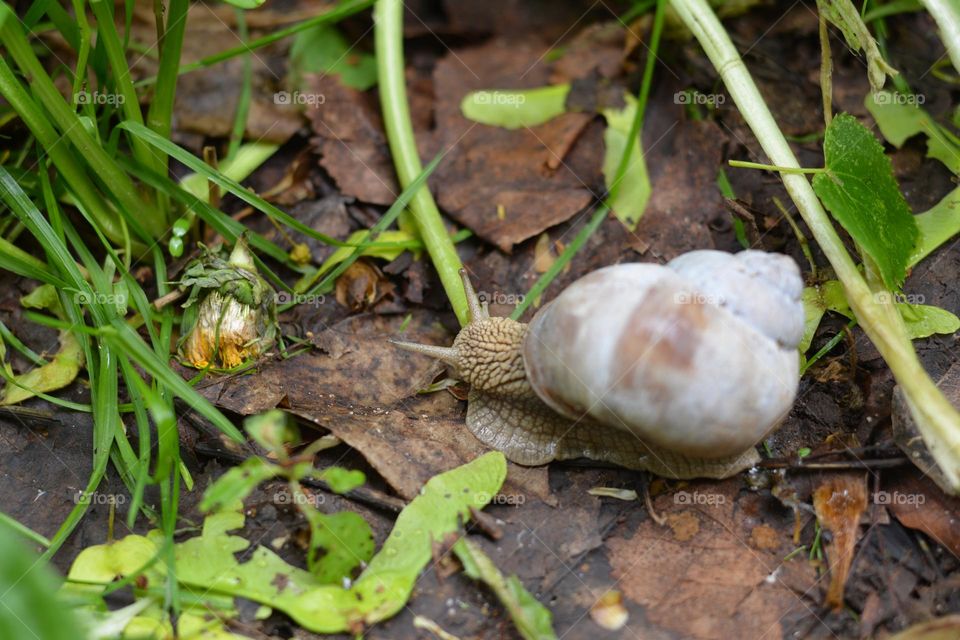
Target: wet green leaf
(634,190)
(532,619)
(899,117)
(861,193)
(514,109)
(323,49)
(237,483)
(339,542)
(923,320)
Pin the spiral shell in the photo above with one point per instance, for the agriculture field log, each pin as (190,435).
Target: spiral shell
(698,355)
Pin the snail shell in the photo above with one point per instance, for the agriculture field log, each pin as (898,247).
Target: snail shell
(679,368)
(698,356)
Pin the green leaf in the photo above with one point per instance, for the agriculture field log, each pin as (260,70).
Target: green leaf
(924,320)
(900,117)
(634,191)
(237,483)
(339,543)
(56,374)
(31,608)
(323,49)
(861,193)
(342,480)
(937,225)
(828,296)
(532,619)
(513,109)
(844,15)
(274,430)
(245,4)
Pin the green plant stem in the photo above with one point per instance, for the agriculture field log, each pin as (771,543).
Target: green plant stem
(388,36)
(937,420)
(946,13)
(743,164)
(70,125)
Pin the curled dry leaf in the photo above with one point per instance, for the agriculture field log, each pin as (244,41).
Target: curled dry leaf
(839,502)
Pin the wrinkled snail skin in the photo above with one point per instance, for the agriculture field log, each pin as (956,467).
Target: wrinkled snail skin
(679,368)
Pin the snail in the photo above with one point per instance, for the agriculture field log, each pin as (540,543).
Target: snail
(679,369)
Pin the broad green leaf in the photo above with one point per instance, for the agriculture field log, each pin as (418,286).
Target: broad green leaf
(923,320)
(845,16)
(208,562)
(388,245)
(323,49)
(514,109)
(900,117)
(532,619)
(237,483)
(937,225)
(634,190)
(861,193)
(56,374)
(339,543)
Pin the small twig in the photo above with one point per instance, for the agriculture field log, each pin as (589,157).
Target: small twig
(826,71)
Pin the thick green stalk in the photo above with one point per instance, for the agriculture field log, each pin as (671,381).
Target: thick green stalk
(938,421)
(388,19)
(62,155)
(70,125)
(946,13)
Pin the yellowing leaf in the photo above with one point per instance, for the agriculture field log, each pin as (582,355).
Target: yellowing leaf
(634,190)
(514,109)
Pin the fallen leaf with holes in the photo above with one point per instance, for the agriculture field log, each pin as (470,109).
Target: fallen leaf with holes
(723,587)
(839,502)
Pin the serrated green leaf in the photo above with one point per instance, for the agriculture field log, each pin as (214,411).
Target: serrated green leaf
(924,320)
(513,109)
(900,117)
(532,619)
(237,483)
(634,191)
(861,193)
(323,49)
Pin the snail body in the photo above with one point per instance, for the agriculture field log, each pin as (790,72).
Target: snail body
(679,368)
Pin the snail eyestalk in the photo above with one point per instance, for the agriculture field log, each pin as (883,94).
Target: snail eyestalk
(478,310)
(447,355)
